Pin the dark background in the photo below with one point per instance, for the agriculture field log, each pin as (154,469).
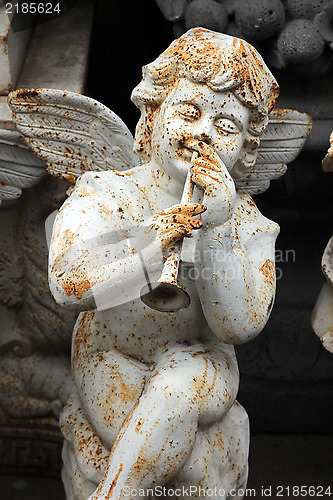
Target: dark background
(127,34)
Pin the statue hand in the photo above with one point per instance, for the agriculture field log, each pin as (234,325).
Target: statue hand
(210,173)
(176,223)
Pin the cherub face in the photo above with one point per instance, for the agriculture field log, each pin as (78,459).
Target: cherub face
(194,111)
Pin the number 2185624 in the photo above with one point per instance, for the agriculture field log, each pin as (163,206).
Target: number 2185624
(303,491)
(32,8)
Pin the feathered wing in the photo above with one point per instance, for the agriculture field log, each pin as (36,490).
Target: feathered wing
(72,133)
(19,167)
(280,144)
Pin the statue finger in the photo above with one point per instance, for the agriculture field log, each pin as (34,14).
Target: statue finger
(186,209)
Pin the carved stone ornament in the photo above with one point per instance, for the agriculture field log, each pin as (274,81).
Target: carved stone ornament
(322,317)
(169,262)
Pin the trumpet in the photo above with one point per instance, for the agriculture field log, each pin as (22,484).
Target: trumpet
(166,294)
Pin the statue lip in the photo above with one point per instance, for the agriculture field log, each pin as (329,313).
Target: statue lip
(191,144)
(188,147)
(186,152)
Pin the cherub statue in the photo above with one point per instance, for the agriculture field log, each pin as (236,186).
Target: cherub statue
(154,402)
(322,316)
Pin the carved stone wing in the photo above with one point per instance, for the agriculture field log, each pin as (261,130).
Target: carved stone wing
(280,144)
(19,167)
(71,132)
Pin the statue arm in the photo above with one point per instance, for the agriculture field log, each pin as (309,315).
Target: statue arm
(236,272)
(93,260)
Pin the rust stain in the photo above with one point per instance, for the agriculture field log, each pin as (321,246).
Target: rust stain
(267,270)
(114,482)
(70,178)
(24,93)
(76,284)
(83,333)
(4,43)
(138,426)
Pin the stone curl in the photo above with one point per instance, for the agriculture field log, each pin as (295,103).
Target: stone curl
(222,62)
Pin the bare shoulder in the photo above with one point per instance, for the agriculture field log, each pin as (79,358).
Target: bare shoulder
(114,190)
(250,223)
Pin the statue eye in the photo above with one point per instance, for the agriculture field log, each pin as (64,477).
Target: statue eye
(226,126)
(188,111)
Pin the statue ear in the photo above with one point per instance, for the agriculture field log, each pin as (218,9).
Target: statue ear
(280,143)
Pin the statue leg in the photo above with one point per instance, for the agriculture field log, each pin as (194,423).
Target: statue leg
(109,384)
(190,387)
(83,442)
(85,452)
(217,466)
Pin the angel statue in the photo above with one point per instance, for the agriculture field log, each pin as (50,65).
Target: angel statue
(322,316)
(153,412)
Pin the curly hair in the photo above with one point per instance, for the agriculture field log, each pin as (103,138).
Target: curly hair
(223,63)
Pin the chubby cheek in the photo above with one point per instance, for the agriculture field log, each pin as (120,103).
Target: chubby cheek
(178,129)
(171,137)
(230,149)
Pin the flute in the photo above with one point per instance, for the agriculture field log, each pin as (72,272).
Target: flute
(166,294)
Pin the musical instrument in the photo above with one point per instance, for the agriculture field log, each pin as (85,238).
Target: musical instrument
(166,294)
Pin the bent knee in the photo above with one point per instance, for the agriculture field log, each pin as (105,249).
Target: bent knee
(204,389)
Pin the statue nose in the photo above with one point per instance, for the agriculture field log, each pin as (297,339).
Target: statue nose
(203,132)
(204,137)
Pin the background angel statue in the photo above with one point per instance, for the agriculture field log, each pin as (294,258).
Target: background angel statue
(322,316)
(154,401)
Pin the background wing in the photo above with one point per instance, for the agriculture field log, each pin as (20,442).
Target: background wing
(19,167)
(280,144)
(71,132)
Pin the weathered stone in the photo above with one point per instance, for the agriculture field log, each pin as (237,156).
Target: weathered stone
(206,13)
(306,9)
(300,42)
(260,19)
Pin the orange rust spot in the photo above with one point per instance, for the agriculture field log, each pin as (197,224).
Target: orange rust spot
(138,426)
(70,178)
(64,242)
(27,93)
(267,270)
(251,202)
(77,284)
(122,396)
(84,192)
(83,335)
(141,465)
(114,482)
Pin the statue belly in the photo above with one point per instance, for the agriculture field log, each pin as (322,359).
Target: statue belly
(141,332)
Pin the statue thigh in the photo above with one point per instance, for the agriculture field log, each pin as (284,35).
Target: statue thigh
(202,379)
(204,376)
(107,386)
